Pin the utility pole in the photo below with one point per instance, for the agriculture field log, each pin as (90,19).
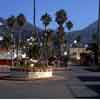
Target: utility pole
(34,16)
(98,34)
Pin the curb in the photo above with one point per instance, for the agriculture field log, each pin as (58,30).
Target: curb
(60,69)
(33,79)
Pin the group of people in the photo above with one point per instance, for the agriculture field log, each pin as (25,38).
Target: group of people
(57,61)
(87,59)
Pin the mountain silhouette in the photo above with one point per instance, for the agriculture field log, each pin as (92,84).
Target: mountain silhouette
(26,32)
(86,33)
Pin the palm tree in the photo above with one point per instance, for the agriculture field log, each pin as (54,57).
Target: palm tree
(7,40)
(69,25)
(61,18)
(20,20)
(78,39)
(46,19)
(10,24)
(9,36)
(11,21)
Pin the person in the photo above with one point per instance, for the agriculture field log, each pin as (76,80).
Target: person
(65,60)
(92,59)
(51,60)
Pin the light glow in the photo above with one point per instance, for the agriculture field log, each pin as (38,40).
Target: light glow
(65,53)
(78,57)
(24,55)
(75,41)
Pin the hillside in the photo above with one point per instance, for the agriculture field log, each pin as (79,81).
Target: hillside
(85,33)
(26,31)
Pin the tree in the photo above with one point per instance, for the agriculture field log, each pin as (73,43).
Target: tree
(46,19)
(69,25)
(78,39)
(7,39)
(20,21)
(9,34)
(11,21)
(61,19)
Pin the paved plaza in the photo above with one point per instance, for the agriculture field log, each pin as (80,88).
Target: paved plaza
(75,82)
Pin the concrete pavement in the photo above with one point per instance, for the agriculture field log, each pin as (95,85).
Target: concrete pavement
(71,84)
(90,80)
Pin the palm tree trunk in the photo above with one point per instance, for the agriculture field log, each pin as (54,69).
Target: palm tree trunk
(61,33)
(17,47)
(12,54)
(46,48)
(19,43)
(11,48)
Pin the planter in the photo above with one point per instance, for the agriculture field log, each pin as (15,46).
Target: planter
(31,73)
(5,62)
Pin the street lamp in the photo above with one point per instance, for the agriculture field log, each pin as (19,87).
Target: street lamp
(78,53)
(1,38)
(86,45)
(65,53)
(75,41)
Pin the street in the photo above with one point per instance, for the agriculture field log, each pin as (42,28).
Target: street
(75,82)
